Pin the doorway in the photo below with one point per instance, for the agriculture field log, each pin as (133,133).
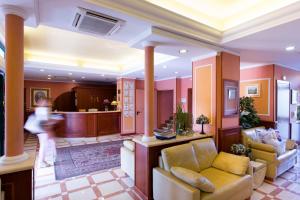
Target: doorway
(164,106)
(190,101)
(283,108)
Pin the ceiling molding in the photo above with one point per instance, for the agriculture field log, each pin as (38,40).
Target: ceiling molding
(163,18)
(204,56)
(273,19)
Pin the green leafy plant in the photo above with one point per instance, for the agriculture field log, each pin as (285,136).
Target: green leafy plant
(240,149)
(202,119)
(248,114)
(183,121)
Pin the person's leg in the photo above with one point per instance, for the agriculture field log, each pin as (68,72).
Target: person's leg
(43,140)
(53,148)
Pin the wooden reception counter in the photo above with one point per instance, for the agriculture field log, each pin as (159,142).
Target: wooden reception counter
(89,124)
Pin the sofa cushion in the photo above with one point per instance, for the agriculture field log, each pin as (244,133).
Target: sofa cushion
(180,156)
(205,151)
(193,178)
(129,145)
(250,135)
(227,185)
(231,163)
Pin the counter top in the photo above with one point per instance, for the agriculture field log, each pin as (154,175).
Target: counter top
(138,139)
(22,166)
(67,112)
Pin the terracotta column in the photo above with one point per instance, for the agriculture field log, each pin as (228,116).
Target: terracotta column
(149,92)
(14,86)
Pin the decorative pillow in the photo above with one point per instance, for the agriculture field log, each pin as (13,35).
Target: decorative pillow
(254,136)
(291,144)
(193,178)
(279,146)
(231,163)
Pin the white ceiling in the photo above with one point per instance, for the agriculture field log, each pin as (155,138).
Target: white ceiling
(55,46)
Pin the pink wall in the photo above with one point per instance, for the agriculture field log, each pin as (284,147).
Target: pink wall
(230,70)
(292,76)
(262,72)
(169,84)
(164,106)
(186,83)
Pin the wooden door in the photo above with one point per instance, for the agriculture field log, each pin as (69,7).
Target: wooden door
(190,101)
(139,111)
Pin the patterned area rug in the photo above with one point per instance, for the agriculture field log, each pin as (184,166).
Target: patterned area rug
(84,159)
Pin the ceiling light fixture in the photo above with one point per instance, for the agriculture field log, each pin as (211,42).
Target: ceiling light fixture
(41,70)
(165,66)
(70,73)
(49,75)
(49,78)
(73,81)
(290,48)
(83,77)
(183,51)
(102,75)
(176,72)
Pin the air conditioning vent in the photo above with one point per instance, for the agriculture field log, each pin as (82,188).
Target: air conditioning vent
(96,23)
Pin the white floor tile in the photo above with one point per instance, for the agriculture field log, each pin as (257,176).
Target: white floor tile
(86,194)
(77,183)
(101,177)
(109,188)
(123,196)
(287,195)
(47,191)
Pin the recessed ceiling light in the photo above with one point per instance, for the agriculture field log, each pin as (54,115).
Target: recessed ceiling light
(183,51)
(176,72)
(102,75)
(41,70)
(290,48)
(49,78)
(49,75)
(73,80)
(70,73)
(83,77)
(165,66)
(143,72)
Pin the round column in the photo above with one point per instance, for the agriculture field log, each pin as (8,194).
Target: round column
(149,92)
(14,85)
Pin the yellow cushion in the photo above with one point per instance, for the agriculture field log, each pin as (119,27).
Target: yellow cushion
(193,178)
(218,177)
(205,151)
(180,156)
(231,163)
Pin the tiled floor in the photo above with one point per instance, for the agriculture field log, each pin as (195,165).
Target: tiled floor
(114,184)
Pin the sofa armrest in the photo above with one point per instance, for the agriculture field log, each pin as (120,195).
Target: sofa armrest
(262,147)
(167,186)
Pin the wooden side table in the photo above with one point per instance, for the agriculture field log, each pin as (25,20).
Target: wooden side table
(258,172)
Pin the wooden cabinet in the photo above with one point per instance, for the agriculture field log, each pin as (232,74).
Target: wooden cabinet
(89,124)
(108,124)
(92,97)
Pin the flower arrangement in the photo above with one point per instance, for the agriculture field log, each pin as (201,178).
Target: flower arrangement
(240,149)
(183,121)
(202,119)
(106,103)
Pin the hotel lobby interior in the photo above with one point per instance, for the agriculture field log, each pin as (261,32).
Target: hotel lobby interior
(149,99)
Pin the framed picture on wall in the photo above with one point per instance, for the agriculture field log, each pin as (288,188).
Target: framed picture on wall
(253,90)
(38,93)
(230,98)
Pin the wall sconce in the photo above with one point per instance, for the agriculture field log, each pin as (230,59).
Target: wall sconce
(284,77)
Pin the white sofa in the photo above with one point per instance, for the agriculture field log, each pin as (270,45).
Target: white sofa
(127,158)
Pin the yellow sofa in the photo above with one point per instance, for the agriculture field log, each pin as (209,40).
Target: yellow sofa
(276,164)
(200,156)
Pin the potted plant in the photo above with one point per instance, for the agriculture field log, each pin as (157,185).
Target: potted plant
(202,119)
(241,150)
(182,120)
(248,114)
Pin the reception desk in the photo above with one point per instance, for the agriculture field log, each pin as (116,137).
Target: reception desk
(89,124)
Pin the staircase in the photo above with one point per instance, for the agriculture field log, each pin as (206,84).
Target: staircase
(168,125)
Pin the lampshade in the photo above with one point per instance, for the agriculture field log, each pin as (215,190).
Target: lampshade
(114,103)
